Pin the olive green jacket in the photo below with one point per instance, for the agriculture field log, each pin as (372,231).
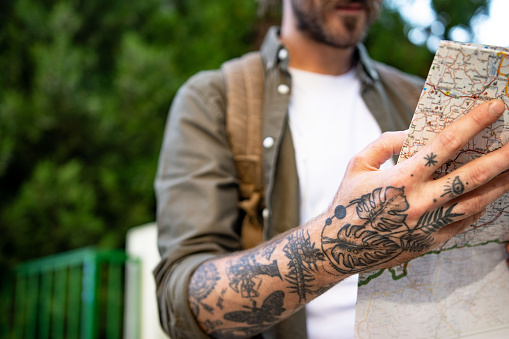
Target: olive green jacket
(196,184)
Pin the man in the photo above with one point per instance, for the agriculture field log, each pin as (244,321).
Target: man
(324,98)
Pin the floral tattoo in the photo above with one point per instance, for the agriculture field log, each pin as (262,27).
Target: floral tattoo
(383,234)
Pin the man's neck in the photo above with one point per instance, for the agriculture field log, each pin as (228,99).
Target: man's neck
(316,57)
(310,55)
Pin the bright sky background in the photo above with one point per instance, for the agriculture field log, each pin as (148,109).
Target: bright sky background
(491,29)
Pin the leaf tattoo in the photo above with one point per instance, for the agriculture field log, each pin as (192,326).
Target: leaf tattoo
(348,256)
(431,222)
(383,210)
(420,238)
(384,235)
(354,248)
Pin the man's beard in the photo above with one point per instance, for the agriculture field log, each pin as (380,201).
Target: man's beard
(313,22)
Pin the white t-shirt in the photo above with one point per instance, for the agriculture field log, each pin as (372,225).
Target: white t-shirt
(329,123)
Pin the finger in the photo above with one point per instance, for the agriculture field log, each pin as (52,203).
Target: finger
(473,175)
(478,199)
(379,151)
(464,210)
(449,231)
(450,140)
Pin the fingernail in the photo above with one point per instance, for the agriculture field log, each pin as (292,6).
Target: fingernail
(497,108)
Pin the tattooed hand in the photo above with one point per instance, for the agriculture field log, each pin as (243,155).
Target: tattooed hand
(378,219)
(383,218)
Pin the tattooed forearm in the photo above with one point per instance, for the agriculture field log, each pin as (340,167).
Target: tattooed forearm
(303,258)
(249,292)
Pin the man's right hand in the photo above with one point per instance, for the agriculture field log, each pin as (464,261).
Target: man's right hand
(383,218)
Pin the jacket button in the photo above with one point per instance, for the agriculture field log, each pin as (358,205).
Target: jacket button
(282,54)
(268,142)
(283,89)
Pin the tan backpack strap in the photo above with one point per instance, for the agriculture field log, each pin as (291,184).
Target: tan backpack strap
(245,80)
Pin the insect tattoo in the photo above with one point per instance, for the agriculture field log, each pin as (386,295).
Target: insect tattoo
(256,318)
(430,160)
(302,266)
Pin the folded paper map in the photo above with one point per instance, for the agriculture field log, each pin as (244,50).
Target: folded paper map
(460,289)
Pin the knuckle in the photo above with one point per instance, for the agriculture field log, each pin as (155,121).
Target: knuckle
(450,139)
(355,161)
(505,187)
(387,135)
(478,120)
(474,205)
(477,176)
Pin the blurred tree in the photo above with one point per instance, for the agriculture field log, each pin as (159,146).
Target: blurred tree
(387,42)
(458,14)
(390,39)
(84,93)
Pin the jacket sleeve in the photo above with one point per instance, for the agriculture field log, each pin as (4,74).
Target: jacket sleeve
(197,195)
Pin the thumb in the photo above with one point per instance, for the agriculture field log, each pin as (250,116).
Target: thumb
(379,151)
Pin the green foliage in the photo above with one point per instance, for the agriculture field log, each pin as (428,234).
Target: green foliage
(55,207)
(84,94)
(386,42)
(458,13)
(388,39)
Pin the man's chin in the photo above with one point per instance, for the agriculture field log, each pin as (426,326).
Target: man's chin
(342,40)
(339,32)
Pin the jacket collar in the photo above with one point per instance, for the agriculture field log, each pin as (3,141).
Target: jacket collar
(270,48)
(272,57)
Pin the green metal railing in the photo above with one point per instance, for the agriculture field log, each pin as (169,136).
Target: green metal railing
(78,294)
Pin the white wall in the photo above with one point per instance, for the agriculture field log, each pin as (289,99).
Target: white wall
(141,242)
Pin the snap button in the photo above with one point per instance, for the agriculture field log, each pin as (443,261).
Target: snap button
(282,54)
(268,142)
(283,89)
